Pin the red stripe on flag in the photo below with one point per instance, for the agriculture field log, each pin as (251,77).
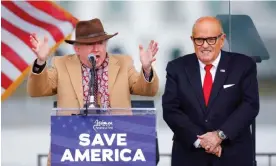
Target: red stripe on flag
(13,57)
(24,36)
(55,32)
(5,81)
(53,10)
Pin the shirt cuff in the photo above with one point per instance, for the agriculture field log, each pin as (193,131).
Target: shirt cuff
(148,77)
(38,68)
(197,143)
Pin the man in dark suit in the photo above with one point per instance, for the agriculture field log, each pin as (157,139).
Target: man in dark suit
(210,100)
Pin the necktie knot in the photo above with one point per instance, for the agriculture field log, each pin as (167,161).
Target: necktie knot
(208,67)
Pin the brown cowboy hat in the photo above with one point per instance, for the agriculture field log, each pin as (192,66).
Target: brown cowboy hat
(91,31)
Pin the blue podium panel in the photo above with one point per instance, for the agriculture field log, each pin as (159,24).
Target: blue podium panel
(103,140)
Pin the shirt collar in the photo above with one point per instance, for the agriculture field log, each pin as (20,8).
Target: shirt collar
(215,63)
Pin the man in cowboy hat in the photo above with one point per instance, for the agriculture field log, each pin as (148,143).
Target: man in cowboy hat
(69,75)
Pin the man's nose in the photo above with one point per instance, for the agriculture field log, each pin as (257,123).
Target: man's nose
(205,44)
(95,48)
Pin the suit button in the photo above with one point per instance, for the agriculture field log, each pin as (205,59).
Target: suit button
(206,121)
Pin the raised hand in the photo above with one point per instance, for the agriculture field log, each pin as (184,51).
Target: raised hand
(40,47)
(148,56)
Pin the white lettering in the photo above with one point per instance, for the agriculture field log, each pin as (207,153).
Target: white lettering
(139,156)
(122,156)
(97,140)
(107,155)
(67,156)
(121,139)
(116,154)
(84,139)
(111,140)
(94,154)
(82,157)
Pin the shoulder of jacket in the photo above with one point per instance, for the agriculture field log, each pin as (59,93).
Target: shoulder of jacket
(64,57)
(122,57)
(241,59)
(187,58)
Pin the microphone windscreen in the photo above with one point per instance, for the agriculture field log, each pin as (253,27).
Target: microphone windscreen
(91,57)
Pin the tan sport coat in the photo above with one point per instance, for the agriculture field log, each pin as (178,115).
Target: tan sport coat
(64,79)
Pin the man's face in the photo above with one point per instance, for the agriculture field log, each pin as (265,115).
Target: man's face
(208,41)
(98,49)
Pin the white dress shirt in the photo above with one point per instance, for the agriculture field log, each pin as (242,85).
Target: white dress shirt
(202,75)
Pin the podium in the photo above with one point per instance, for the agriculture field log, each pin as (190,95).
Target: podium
(103,136)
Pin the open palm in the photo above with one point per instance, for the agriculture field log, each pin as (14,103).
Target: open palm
(148,56)
(40,47)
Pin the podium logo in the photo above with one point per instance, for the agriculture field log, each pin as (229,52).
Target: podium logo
(102,125)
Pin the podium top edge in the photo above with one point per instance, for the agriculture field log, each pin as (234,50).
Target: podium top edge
(104,109)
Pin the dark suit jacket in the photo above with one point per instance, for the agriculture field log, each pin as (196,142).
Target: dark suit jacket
(231,110)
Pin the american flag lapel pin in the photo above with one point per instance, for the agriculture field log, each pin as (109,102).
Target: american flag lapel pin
(222,70)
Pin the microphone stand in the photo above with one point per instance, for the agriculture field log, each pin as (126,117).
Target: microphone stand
(91,97)
(90,100)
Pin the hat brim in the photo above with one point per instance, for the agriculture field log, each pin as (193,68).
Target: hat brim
(91,40)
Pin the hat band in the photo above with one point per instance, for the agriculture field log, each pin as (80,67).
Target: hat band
(92,35)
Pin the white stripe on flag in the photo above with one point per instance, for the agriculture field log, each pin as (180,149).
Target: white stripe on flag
(9,69)
(64,26)
(26,26)
(2,90)
(18,46)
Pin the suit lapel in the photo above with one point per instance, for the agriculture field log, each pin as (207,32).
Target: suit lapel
(193,73)
(113,69)
(74,69)
(221,75)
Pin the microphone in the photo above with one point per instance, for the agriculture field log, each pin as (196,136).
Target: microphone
(92,60)
(90,101)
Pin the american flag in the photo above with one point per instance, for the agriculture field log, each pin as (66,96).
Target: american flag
(18,20)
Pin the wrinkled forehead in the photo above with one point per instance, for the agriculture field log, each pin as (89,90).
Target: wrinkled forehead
(207,29)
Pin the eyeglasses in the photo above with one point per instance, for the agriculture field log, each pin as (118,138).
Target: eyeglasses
(209,40)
